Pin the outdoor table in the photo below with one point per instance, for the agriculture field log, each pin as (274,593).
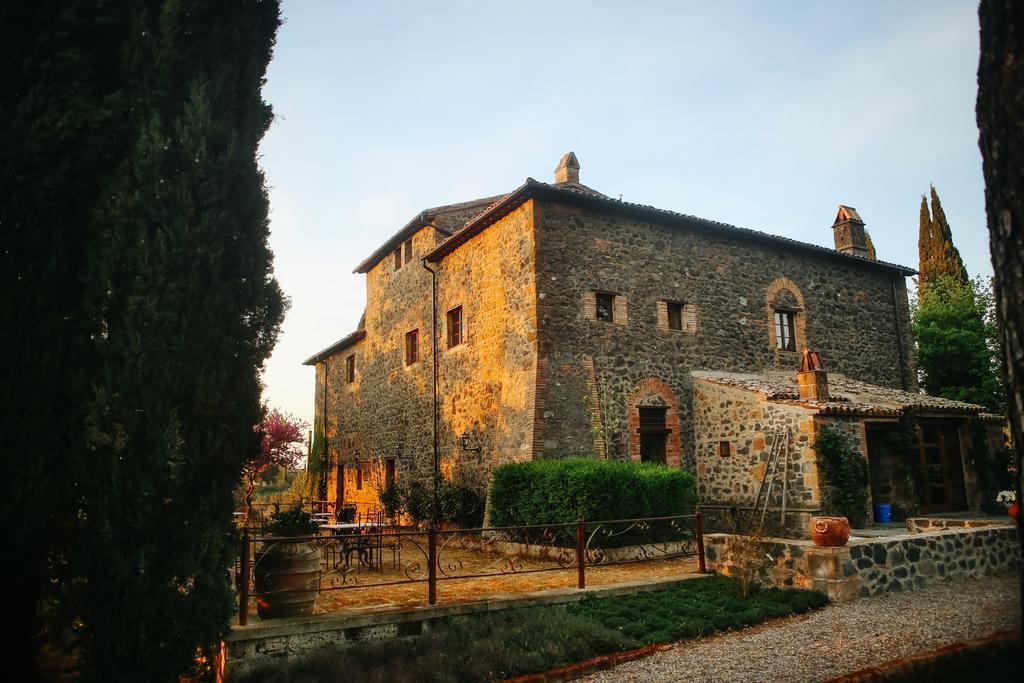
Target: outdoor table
(350,542)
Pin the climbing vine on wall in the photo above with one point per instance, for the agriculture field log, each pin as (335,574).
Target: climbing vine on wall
(845,474)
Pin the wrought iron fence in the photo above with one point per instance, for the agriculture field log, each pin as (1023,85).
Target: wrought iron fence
(352,556)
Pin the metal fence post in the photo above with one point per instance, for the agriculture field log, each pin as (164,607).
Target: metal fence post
(581,555)
(243,580)
(432,568)
(698,524)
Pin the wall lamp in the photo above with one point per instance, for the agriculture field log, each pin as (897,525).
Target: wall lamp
(464,444)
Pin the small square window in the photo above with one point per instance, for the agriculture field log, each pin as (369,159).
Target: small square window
(398,258)
(724,449)
(350,369)
(675,315)
(456,329)
(604,307)
(408,251)
(412,346)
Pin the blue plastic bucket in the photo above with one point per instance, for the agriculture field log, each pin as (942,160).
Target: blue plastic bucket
(883,513)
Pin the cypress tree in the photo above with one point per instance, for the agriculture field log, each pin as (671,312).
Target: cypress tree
(63,132)
(143,303)
(938,256)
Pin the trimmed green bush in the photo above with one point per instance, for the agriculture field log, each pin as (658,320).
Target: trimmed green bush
(561,491)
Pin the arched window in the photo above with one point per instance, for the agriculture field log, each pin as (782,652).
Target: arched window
(786,316)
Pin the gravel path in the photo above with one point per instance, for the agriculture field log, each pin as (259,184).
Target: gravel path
(838,639)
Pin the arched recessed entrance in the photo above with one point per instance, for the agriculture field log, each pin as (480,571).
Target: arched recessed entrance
(653,423)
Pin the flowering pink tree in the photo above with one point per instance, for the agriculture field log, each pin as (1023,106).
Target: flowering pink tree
(283,436)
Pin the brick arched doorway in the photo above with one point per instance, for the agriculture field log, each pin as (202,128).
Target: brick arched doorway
(653,423)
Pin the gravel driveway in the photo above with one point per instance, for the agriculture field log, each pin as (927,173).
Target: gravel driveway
(838,639)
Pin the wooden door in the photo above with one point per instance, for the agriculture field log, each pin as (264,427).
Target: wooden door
(653,434)
(942,461)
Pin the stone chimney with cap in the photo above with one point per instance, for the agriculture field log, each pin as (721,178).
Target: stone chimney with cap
(568,170)
(812,378)
(849,234)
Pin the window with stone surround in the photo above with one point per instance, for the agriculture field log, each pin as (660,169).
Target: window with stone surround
(408,250)
(456,327)
(724,449)
(398,258)
(350,369)
(604,306)
(412,346)
(677,316)
(359,476)
(787,331)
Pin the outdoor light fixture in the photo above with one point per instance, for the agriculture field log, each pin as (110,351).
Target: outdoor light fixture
(464,444)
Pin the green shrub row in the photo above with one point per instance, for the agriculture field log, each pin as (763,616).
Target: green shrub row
(563,490)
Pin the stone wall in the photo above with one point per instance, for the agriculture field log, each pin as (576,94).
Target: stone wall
(749,424)
(851,315)
(486,384)
(868,567)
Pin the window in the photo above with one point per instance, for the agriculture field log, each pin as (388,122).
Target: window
(724,449)
(675,315)
(408,251)
(389,473)
(785,335)
(604,307)
(412,346)
(456,329)
(359,477)
(350,369)
(398,258)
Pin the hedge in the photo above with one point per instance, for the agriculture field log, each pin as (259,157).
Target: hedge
(562,490)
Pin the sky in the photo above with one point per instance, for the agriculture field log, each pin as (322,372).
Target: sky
(761,115)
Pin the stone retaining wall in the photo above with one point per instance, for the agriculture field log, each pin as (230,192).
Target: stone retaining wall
(870,566)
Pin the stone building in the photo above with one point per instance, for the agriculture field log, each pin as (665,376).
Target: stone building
(556,321)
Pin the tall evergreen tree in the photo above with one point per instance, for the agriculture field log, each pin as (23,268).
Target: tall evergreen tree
(938,256)
(139,285)
(956,344)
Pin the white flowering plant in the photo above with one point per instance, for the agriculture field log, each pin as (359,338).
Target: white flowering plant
(1007,498)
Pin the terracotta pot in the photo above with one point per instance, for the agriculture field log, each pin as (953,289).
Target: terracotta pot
(830,532)
(1014,509)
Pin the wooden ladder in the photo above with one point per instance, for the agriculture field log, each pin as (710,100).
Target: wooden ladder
(780,447)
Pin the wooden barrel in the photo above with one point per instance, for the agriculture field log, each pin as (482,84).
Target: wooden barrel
(287,577)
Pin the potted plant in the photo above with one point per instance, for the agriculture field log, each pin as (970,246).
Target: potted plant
(346,514)
(287,568)
(1009,499)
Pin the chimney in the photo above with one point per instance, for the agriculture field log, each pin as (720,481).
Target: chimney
(848,231)
(568,170)
(812,378)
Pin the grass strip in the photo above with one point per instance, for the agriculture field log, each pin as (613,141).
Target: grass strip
(495,646)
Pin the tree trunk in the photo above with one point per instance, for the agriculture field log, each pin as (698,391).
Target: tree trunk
(1000,112)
